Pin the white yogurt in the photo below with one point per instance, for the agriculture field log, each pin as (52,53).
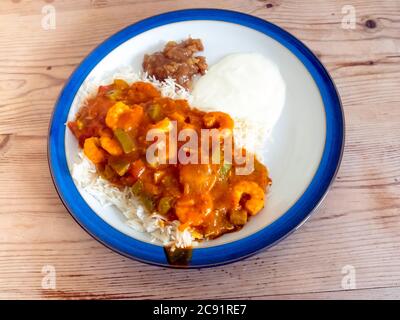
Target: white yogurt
(247,86)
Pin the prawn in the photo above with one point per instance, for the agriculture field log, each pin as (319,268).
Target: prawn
(192,209)
(197,177)
(250,188)
(164,125)
(122,116)
(219,120)
(111,145)
(92,150)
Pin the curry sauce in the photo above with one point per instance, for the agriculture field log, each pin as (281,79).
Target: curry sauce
(211,199)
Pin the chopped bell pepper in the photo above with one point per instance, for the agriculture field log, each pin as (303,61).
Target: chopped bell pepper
(126,141)
(148,202)
(165,204)
(238,217)
(114,94)
(120,84)
(137,168)
(119,165)
(137,188)
(224,171)
(155,113)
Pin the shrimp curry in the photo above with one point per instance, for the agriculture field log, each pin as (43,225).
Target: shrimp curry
(210,199)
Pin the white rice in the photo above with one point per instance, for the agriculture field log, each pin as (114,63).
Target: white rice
(161,231)
(85,175)
(168,87)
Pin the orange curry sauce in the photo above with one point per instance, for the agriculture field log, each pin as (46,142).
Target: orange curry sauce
(210,198)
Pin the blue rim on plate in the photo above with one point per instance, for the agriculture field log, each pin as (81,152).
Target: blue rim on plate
(225,253)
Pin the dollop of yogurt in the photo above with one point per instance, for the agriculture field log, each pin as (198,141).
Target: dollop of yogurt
(247,86)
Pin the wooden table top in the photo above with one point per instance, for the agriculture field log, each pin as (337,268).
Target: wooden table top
(355,234)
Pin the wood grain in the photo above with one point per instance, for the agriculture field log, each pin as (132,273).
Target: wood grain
(358,224)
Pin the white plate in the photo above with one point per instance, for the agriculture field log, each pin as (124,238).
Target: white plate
(297,143)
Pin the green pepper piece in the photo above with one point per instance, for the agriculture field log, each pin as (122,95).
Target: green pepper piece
(120,84)
(108,172)
(165,204)
(148,202)
(178,256)
(114,94)
(126,141)
(119,165)
(155,113)
(224,171)
(238,217)
(137,187)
